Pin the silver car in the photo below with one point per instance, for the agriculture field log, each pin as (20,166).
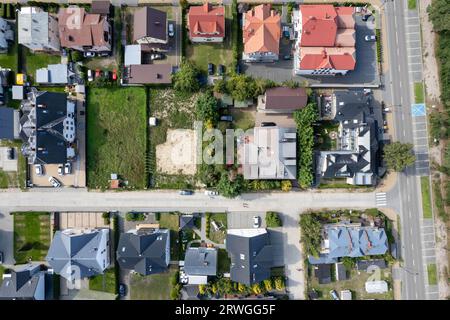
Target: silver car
(55,183)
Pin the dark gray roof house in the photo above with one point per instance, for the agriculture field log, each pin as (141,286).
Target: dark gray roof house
(186,221)
(340,271)
(76,254)
(146,251)
(9,123)
(251,255)
(367,265)
(200,262)
(323,273)
(26,283)
(149,26)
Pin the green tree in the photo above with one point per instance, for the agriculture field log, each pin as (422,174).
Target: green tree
(206,107)
(241,87)
(286,185)
(273,219)
(202,289)
(186,79)
(311,235)
(256,288)
(229,188)
(175,292)
(220,86)
(279,283)
(439,13)
(268,284)
(399,155)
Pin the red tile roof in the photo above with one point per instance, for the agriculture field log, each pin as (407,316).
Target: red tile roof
(206,21)
(262,30)
(328,58)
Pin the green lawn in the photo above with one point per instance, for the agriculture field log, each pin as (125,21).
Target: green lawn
(223,261)
(243,119)
(34,61)
(217,53)
(9,60)
(432,274)
(4,179)
(418,92)
(15,179)
(116,136)
(104,282)
(412,4)
(221,220)
(426,198)
(31,236)
(171,222)
(153,287)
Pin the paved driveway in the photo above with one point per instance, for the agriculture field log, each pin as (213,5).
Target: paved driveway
(5,163)
(244,220)
(7,237)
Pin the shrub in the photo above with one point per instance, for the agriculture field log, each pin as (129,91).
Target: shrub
(273,220)
(279,283)
(76,56)
(135,216)
(175,292)
(311,236)
(286,185)
(268,284)
(186,79)
(106,217)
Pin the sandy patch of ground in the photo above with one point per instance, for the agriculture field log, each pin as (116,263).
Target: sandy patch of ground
(178,154)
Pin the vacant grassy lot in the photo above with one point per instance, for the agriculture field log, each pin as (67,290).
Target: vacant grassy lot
(426,198)
(432,274)
(34,61)
(31,236)
(418,92)
(9,60)
(153,287)
(15,179)
(104,282)
(221,220)
(171,221)
(217,53)
(243,119)
(116,136)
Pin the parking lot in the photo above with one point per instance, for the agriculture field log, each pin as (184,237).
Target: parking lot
(365,74)
(5,163)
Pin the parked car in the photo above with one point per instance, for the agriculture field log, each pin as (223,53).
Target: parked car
(98,73)
(68,168)
(171,30)
(286,32)
(334,295)
(122,290)
(104,54)
(39,169)
(226,118)
(211,193)
(89,54)
(366,16)
(157,56)
(255,222)
(210,69)
(221,69)
(268,124)
(114,74)
(106,75)
(1,257)
(287,57)
(90,75)
(370,38)
(186,192)
(10,153)
(60,170)
(55,183)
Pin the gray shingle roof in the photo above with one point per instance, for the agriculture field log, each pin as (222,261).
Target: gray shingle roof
(186,221)
(23,283)
(6,123)
(201,261)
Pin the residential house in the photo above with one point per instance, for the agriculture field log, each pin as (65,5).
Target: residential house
(261,34)
(206,23)
(38,30)
(200,264)
(6,35)
(150,26)
(144,250)
(53,74)
(346,295)
(326,40)
(251,255)
(370,265)
(187,221)
(148,74)
(340,272)
(282,100)
(27,282)
(79,253)
(269,153)
(323,273)
(48,127)
(9,123)
(350,240)
(83,31)
(355,157)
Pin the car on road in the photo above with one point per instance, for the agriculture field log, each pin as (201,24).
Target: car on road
(10,153)
(1,257)
(39,169)
(68,168)
(268,124)
(171,29)
(226,118)
(255,222)
(90,75)
(186,192)
(89,54)
(334,295)
(55,183)
(221,69)
(122,290)
(157,56)
(210,69)
(370,38)
(211,193)
(60,170)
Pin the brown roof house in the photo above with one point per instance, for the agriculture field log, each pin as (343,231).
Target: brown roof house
(261,34)
(149,26)
(282,100)
(206,23)
(148,74)
(84,31)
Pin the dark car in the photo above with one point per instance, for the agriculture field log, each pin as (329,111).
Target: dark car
(366,17)
(226,118)
(106,75)
(268,124)
(186,192)
(10,153)
(122,290)
(221,69)
(210,69)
